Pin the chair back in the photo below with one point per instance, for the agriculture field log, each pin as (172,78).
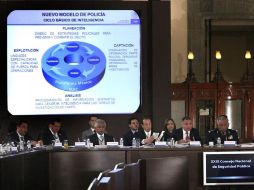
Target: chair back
(164,173)
(132,176)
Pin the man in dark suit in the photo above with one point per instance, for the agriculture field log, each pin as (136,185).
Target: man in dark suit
(146,134)
(53,132)
(222,131)
(133,131)
(21,133)
(100,137)
(88,132)
(187,133)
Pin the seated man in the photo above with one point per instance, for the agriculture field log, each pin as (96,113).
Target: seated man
(53,132)
(100,137)
(222,131)
(88,132)
(133,131)
(146,134)
(21,133)
(186,133)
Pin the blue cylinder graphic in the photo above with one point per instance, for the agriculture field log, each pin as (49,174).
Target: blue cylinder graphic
(73,66)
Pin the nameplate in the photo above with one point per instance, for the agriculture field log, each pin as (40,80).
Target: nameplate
(195,143)
(80,143)
(112,143)
(229,143)
(100,146)
(58,144)
(14,149)
(161,143)
(89,145)
(211,143)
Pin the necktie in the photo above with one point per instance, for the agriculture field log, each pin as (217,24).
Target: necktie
(101,140)
(187,136)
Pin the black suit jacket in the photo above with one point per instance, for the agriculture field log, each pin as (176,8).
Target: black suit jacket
(231,135)
(168,135)
(194,134)
(94,138)
(127,138)
(47,137)
(14,137)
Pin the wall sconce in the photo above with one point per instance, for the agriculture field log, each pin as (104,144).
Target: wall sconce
(218,75)
(190,75)
(247,77)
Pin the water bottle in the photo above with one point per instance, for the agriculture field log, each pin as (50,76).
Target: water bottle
(13,148)
(88,143)
(85,141)
(134,144)
(8,148)
(29,145)
(1,149)
(121,142)
(12,144)
(137,142)
(21,146)
(172,142)
(219,141)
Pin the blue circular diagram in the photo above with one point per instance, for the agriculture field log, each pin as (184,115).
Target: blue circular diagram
(73,66)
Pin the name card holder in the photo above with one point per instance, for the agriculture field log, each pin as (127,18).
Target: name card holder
(229,143)
(14,149)
(195,143)
(58,144)
(80,144)
(112,144)
(89,145)
(161,143)
(100,146)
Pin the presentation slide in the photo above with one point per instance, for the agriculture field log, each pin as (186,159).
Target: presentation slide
(73,61)
(228,168)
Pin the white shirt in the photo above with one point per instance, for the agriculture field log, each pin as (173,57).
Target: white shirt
(185,134)
(134,131)
(148,134)
(54,134)
(101,139)
(21,138)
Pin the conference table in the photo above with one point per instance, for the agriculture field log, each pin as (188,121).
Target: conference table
(74,168)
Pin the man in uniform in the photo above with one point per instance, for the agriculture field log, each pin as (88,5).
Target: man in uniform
(222,131)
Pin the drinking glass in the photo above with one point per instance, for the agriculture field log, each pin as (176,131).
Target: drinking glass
(66,144)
